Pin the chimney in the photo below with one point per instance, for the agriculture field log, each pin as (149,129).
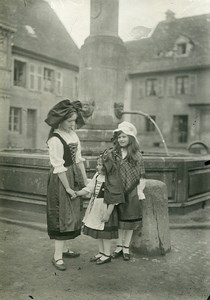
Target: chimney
(170,15)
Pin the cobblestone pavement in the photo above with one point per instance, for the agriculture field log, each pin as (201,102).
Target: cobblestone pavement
(27,273)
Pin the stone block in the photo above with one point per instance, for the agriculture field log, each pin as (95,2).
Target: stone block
(153,238)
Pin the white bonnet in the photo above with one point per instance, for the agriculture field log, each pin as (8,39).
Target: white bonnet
(127,128)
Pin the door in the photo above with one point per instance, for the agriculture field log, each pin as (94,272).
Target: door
(205,126)
(31,129)
(180,129)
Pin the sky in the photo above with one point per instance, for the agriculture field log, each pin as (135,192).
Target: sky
(75,14)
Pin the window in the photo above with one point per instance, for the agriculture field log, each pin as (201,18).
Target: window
(19,73)
(48,80)
(183,46)
(182,85)
(15,119)
(181,49)
(149,125)
(151,87)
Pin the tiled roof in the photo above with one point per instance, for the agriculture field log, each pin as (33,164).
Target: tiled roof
(39,30)
(156,53)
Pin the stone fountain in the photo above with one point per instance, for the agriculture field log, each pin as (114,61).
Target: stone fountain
(103,86)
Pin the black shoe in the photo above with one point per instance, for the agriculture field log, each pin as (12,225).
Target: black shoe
(71,254)
(103,261)
(126,256)
(95,258)
(116,254)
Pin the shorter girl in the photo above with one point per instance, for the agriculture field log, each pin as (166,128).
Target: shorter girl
(100,220)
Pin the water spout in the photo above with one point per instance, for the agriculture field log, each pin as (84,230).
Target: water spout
(155,124)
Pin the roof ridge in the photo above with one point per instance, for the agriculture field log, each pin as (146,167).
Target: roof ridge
(186,17)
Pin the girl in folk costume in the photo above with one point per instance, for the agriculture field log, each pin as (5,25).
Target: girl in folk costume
(130,165)
(101,219)
(66,175)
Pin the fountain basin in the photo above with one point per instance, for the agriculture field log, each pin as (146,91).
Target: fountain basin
(23,178)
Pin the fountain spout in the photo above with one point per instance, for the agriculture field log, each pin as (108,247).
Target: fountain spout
(155,124)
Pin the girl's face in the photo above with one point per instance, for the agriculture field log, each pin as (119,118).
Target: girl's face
(69,124)
(99,167)
(123,140)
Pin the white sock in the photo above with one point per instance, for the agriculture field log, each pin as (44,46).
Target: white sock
(59,251)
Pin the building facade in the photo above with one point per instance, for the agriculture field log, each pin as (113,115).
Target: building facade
(169,75)
(41,68)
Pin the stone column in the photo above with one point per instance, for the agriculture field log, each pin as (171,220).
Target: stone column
(154,236)
(5,81)
(102,66)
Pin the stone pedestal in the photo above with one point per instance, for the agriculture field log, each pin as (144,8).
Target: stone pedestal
(153,238)
(94,141)
(102,69)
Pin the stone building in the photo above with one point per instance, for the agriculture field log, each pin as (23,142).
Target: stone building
(169,77)
(39,67)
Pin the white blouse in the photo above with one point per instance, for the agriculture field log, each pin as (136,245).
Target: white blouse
(95,185)
(56,150)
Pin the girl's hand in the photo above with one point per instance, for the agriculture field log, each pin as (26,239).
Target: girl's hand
(140,189)
(71,192)
(141,196)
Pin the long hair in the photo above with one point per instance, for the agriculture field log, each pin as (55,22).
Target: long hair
(100,160)
(132,147)
(56,127)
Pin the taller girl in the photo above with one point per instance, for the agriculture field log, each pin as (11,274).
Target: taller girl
(67,175)
(130,164)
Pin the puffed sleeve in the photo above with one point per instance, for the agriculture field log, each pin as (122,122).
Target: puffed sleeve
(79,157)
(56,155)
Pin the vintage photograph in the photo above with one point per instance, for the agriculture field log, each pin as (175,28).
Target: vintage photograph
(105,149)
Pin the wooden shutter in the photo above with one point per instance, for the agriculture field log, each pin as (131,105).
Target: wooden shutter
(160,92)
(39,78)
(193,84)
(59,83)
(141,88)
(170,86)
(32,85)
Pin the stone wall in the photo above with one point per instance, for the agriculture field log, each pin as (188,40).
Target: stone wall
(23,178)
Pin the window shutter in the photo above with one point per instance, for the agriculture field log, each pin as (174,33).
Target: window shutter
(193,84)
(59,83)
(170,86)
(141,88)
(160,87)
(32,77)
(39,78)
(76,87)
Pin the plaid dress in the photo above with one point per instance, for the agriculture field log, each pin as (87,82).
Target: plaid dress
(130,212)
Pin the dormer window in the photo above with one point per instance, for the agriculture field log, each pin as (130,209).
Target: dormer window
(183,46)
